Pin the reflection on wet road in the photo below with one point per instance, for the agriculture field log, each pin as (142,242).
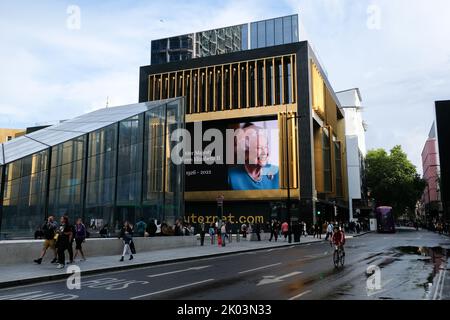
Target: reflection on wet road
(407,265)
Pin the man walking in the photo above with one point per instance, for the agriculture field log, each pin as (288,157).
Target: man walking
(64,238)
(329,231)
(274,230)
(48,229)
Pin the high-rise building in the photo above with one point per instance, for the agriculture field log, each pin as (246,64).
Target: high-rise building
(355,133)
(257,34)
(277,85)
(431,198)
(443,137)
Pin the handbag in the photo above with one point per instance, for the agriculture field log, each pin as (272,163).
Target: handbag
(132,247)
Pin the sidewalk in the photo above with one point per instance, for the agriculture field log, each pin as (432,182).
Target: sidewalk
(21,274)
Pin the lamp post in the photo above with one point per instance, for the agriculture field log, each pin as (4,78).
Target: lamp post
(288,202)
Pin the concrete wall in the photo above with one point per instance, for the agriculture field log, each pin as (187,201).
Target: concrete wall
(25,251)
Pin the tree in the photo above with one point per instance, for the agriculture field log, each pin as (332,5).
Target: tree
(393,180)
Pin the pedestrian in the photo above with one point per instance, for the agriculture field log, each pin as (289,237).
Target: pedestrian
(273,230)
(80,237)
(211,232)
(126,233)
(70,245)
(318,230)
(64,237)
(224,234)
(285,230)
(258,231)
(305,227)
(229,229)
(104,231)
(203,230)
(48,229)
(141,226)
(151,228)
(244,230)
(330,229)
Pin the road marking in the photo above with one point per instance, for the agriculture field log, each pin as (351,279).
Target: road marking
(275,279)
(442,285)
(171,289)
(39,295)
(260,268)
(177,271)
(17,295)
(300,295)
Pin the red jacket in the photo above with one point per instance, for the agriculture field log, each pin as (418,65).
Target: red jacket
(338,238)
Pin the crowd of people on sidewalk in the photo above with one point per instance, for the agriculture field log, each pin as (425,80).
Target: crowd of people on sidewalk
(60,238)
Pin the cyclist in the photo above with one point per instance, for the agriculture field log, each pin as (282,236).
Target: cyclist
(338,238)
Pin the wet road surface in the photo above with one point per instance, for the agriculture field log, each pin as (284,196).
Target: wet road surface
(407,265)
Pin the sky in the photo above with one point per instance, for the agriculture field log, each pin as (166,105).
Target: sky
(57,62)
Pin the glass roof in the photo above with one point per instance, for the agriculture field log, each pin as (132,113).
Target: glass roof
(40,140)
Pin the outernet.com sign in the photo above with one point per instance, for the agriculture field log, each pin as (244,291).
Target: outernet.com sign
(193,218)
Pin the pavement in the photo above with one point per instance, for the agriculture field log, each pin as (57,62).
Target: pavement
(408,265)
(22,274)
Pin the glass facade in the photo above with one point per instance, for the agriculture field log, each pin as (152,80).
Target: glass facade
(200,44)
(255,35)
(121,171)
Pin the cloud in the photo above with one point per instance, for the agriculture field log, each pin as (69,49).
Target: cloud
(51,73)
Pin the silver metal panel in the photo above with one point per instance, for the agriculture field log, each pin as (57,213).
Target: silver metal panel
(40,140)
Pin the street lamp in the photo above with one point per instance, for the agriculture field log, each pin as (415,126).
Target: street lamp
(288,202)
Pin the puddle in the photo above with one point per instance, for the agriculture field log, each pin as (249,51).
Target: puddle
(437,256)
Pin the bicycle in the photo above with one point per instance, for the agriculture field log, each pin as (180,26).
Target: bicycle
(338,257)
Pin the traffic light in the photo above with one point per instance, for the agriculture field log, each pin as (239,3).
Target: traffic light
(318,213)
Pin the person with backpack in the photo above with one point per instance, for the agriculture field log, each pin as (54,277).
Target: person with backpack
(48,230)
(80,237)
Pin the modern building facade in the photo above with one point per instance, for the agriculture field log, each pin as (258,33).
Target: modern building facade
(257,34)
(9,134)
(355,135)
(443,137)
(106,167)
(280,87)
(431,198)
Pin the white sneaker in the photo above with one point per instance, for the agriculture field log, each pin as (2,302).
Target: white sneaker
(59,266)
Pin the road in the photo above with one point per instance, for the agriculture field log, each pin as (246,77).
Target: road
(412,265)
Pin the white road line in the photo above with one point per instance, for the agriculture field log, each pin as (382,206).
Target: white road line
(178,271)
(300,295)
(260,268)
(436,291)
(171,289)
(442,285)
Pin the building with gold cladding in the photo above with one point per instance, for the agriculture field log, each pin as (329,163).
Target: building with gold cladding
(9,134)
(282,84)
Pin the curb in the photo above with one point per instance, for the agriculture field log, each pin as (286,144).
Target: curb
(16,283)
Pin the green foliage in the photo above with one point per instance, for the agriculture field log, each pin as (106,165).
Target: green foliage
(393,180)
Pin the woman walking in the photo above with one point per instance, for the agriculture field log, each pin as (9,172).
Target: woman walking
(80,237)
(126,233)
